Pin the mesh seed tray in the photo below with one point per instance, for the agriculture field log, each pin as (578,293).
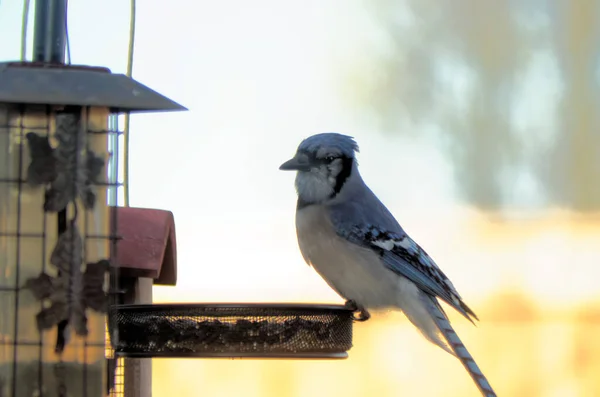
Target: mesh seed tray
(233,330)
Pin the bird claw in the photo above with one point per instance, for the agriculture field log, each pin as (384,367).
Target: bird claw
(351,305)
(363,314)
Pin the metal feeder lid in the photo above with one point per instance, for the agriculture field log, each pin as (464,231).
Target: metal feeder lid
(63,85)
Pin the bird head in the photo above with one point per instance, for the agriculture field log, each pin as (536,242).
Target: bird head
(324,163)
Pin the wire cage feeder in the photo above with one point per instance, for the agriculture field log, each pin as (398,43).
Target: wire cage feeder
(60,280)
(57,233)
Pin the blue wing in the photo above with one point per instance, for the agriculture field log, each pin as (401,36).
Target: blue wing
(406,258)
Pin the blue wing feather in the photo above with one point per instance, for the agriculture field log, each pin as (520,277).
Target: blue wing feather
(408,259)
(365,221)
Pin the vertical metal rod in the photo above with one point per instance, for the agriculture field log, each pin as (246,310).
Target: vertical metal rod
(49,43)
(50,36)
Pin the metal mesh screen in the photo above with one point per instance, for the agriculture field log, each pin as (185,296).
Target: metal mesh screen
(115,369)
(55,249)
(118,389)
(232,330)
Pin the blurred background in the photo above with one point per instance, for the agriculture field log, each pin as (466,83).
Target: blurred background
(478,127)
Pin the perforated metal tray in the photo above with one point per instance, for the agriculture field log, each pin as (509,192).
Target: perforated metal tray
(232,330)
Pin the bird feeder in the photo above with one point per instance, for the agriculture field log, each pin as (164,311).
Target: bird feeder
(147,249)
(58,167)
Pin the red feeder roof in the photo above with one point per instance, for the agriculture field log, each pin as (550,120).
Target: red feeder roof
(147,247)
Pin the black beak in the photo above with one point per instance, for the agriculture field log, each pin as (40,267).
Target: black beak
(296,164)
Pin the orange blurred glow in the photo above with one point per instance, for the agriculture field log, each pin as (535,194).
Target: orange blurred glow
(526,345)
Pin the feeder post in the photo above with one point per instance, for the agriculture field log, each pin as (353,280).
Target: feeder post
(49,43)
(50,34)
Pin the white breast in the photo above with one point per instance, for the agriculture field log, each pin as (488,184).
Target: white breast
(353,272)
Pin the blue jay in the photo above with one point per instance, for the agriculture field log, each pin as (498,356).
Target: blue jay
(353,241)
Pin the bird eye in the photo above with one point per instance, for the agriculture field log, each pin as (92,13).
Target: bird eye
(330,158)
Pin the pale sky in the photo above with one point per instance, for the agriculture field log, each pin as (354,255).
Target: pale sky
(258,77)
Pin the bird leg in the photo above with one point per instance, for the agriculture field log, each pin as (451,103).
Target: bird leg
(363,314)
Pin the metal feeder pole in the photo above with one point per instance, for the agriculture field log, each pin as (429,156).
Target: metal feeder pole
(49,44)
(50,33)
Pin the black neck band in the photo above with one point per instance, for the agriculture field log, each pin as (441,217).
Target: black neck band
(342,177)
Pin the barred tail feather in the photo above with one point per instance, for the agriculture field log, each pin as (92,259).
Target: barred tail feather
(460,350)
